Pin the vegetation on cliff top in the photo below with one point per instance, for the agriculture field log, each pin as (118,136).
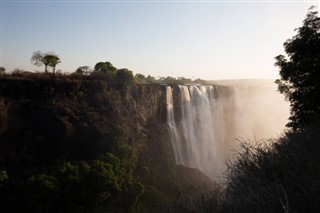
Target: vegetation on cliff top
(102,70)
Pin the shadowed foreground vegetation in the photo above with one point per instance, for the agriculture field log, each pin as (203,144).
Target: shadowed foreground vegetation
(283,177)
(280,175)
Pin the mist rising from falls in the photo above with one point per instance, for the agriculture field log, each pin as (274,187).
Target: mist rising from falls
(205,120)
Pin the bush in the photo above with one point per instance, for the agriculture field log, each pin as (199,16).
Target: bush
(207,202)
(105,183)
(281,177)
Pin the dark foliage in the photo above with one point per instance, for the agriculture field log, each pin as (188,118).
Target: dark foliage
(300,72)
(65,145)
(206,202)
(2,70)
(105,67)
(47,59)
(282,177)
(168,80)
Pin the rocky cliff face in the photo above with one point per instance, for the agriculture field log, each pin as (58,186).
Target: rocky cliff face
(52,119)
(60,111)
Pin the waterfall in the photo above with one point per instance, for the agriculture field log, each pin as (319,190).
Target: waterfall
(196,128)
(205,120)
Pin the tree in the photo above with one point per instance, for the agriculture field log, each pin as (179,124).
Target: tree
(39,60)
(47,59)
(300,72)
(140,78)
(150,79)
(2,70)
(83,70)
(53,61)
(124,76)
(105,67)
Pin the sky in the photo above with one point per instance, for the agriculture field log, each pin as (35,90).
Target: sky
(193,39)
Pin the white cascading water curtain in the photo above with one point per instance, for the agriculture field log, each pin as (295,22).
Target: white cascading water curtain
(204,122)
(174,136)
(197,133)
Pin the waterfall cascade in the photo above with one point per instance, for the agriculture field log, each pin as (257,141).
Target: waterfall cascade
(205,120)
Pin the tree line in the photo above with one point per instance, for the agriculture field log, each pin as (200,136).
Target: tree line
(105,69)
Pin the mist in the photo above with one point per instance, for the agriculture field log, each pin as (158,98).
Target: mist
(206,123)
(261,110)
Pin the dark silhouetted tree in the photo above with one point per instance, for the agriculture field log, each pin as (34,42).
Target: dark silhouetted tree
(83,70)
(150,79)
(140,78)
(2,70)
(47,59)
(124,76)
(53,61)
(300,72)
(105,67)
(38,60)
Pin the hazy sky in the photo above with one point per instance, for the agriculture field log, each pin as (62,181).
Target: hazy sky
(201,39)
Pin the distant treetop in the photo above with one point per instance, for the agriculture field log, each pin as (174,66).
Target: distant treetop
(104,67)
(47,59)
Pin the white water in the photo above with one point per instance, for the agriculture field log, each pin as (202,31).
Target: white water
(205,120)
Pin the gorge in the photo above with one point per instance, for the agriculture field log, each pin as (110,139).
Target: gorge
(149,145)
